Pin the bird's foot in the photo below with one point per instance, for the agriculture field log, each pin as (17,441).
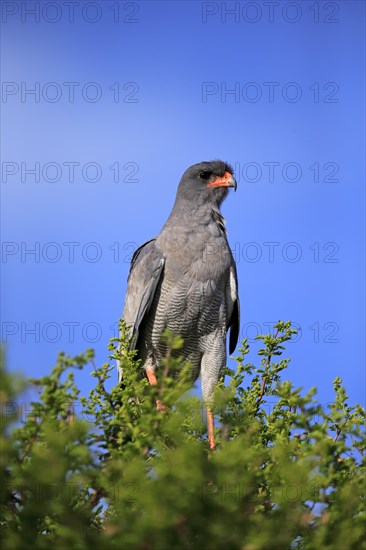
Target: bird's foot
(153,382)
(212,443)
(210,428)
(160,406)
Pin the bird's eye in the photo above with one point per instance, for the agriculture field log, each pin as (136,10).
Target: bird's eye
(205,174)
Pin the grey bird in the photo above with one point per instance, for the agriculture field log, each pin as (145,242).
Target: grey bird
(185,279)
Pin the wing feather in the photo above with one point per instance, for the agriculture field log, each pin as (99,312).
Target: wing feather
(147,267)
(233,299)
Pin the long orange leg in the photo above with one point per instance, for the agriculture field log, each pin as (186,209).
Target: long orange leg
(153,382)
(210,428)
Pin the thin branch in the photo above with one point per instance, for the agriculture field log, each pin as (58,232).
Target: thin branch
(264,378)
(29,445)
(103,391)
(261,395)
(339,430)
(165,371)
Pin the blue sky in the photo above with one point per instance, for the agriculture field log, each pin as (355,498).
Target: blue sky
(127,95)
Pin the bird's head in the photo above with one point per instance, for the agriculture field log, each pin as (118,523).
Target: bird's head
(207,182)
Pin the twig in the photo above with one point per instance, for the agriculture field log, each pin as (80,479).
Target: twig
(29,445)
(101,386)
(339,430)
(264,378)
(261,395)
(165,371)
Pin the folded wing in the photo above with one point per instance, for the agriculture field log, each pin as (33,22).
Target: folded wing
(147,267)
(232,295)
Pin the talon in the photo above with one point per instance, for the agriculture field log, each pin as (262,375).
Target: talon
(153,382)
(160,406)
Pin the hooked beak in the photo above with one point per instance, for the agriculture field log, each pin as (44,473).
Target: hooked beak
(227,180)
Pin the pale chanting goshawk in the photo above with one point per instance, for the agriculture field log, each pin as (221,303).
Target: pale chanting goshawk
(185,280)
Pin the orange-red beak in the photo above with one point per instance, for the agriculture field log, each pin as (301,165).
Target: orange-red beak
(227,180)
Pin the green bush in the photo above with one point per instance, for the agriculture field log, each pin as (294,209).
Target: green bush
(287,473)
